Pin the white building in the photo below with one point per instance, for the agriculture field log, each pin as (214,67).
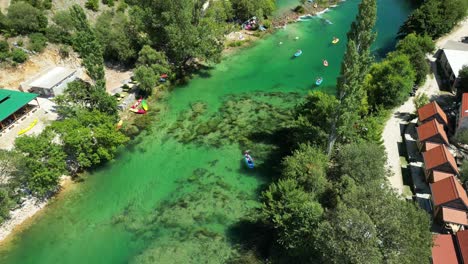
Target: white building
(453,57)
(52,83)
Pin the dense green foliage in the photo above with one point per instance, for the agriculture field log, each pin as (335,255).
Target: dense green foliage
(92,5)
(89,138)
(390,81)
(18,55)
(37,42)
(245,9)
(435,18)
(353,69)
(363,162)
(151,64)
(23,18)
(314,118)
(87,45)
(307,166)
(337,211)
(43,163)
(464,171)
(416,47)
(117,37)
(80,95)
(291,211)
(420,100)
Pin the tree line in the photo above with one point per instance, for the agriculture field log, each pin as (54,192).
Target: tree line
(331,202)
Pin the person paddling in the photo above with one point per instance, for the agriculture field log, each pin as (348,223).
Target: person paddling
(325,63)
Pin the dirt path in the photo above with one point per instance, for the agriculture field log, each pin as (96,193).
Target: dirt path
(4,4)
(400,116)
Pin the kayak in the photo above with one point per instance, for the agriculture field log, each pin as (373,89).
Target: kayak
(136,104)
(298,53)
(335,40)
(325,63)
(249,162)
(22,131)
(319,81)
(119,124)
(144,105)
(139,111)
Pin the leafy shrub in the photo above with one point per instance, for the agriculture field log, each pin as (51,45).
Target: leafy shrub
(24,18)
(420,100)
(4,47)
(37,42)
(92,5)
(108,2)
(19,56)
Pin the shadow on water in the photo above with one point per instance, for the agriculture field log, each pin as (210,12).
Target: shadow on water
(251,235)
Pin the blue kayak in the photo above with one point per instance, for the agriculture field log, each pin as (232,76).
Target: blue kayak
(298,53)
(319,81)
(249,162)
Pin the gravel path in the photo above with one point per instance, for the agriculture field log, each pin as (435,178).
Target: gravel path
(400,116)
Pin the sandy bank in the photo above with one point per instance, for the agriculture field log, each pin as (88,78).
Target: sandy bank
(30,207)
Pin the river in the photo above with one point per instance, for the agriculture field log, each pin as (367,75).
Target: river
(174,196)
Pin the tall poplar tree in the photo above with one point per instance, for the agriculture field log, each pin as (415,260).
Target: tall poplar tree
(87,45)
(353,69)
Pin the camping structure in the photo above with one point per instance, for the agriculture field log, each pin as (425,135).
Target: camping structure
(14,105)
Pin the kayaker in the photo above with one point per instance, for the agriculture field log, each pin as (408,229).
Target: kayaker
(325,63)
(247,155)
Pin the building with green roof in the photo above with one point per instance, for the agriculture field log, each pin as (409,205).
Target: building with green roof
(13,105)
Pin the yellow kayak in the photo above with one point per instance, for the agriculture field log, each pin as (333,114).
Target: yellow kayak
(22,131)
(119,124)
(335,40)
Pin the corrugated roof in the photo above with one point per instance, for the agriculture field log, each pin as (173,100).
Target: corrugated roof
(52,78)
(456,59)
(429,110)
(462,241)
(439,175)
(11,101)
(443,250)
(438,156)
(454,216)
(447,190)
(430,129)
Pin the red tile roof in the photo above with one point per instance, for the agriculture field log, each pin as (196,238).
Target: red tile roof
(439,175)
(450,215)
(462,241)
(429,110)
(429,145)
(443,250)
(430,129)
(464,106)
(447,190)
(438,156)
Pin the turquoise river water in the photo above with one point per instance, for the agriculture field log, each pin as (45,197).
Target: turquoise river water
(173,196)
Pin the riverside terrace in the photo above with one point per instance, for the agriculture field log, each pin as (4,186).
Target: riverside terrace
(13,106)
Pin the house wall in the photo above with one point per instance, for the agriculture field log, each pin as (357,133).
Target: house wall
(60,87)
(455,204)
(449,75)
(446,168)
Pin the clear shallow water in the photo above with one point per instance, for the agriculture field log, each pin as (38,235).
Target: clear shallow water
(166,201)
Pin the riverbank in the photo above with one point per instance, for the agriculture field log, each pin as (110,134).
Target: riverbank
(21,217)
(29,209)
(237,40)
